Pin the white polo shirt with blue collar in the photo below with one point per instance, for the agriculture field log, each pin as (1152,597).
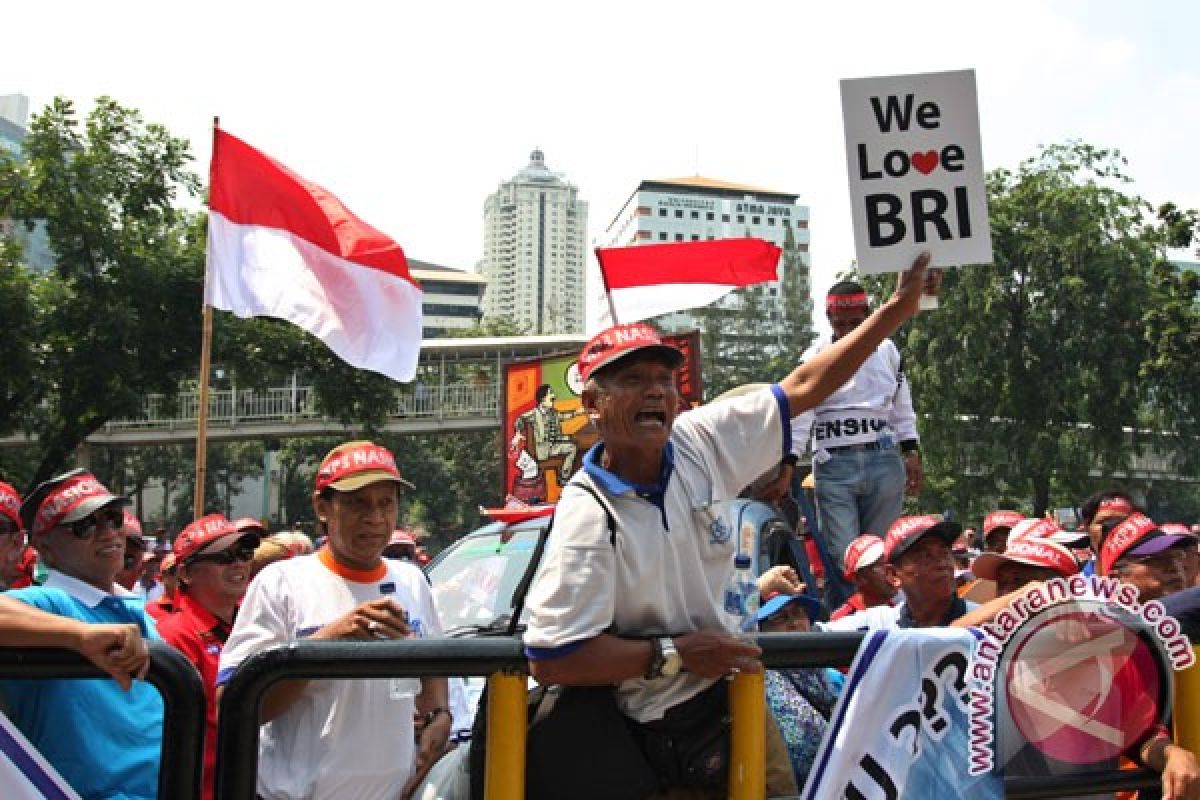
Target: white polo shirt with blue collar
(666,572)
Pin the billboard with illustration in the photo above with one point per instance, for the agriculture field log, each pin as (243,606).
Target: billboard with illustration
(546,431)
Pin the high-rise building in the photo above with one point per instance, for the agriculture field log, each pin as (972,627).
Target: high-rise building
(534,235)
(452,297)
(34,243)
(697,209)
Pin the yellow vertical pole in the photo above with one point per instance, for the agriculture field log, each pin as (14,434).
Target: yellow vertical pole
(1187,706)
(748,738)
(504,777)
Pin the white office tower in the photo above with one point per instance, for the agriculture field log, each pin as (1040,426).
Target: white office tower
(534,233)
(698,209)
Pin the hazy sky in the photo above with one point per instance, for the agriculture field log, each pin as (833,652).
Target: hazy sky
(413,113)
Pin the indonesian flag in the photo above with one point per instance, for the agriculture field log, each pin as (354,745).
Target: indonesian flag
(281,246)
(648,280)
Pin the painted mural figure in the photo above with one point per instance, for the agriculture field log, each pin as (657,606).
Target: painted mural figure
(539,432)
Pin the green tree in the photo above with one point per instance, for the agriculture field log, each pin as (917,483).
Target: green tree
(1030,369)
(118,316)
(19,381)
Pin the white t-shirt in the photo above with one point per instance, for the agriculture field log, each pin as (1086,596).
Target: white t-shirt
(669,567)
(878,397)
(343,739)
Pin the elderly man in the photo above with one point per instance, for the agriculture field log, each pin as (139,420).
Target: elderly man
(1135,550)
(213,569)
(344,738)
(918,549)
(630,589)
(103,740)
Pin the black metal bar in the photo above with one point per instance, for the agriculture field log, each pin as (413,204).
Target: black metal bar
(242,698)
(241,704)
(1082,784)
(179,774)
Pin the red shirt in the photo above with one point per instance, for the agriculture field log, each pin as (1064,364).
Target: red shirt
(855,604)
(161,608)
(195,632)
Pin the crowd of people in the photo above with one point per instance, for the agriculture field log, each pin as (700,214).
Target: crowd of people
(630,592)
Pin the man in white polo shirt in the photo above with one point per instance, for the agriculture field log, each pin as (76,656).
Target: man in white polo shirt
(638,604)
(344,738)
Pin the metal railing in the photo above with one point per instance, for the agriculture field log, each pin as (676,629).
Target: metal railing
(180,770)
(290,404)
(500,658)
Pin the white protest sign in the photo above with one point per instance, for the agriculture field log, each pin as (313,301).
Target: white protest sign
(916,170)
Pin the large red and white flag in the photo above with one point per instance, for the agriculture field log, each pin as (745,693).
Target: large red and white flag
(648,280)
(281,246)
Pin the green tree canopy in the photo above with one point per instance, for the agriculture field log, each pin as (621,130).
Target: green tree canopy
(119,315)
(1032,369)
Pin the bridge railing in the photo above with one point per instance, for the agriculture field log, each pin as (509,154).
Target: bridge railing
(233,407)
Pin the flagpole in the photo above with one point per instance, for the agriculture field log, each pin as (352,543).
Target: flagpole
(205,371)
(612,310)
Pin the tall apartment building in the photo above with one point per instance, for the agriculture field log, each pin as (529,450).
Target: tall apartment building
(534,236)
(696,209)
(35,245)
(452,297)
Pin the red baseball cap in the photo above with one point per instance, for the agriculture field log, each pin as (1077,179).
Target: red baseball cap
(131,526)
(907,531)
(1136,535)
(209,534)
(1037,552)
(250,524)
(402,537)
(620,341)
(864,551)
(353,465)
(1035,528)
(1000,519)
(10,504)
(64,499)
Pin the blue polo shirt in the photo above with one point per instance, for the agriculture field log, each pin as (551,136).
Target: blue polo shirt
(105,742)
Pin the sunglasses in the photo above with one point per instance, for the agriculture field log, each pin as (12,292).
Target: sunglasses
(84,529)
(229,555)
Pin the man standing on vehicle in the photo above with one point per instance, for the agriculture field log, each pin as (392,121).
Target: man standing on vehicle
(643,609)
(864,442)
(344,738)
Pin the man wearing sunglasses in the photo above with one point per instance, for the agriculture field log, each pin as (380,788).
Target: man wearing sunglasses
(105,741)
(213,568)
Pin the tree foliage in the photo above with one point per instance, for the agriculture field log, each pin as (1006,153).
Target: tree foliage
(118,315)
(1032,371)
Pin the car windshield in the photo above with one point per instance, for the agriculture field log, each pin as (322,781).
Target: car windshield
(473,581)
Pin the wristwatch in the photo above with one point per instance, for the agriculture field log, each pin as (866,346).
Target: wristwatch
(666,662)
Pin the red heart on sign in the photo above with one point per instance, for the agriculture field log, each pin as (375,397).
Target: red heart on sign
(925,162)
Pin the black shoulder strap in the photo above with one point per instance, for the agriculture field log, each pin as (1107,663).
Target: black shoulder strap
(522,588)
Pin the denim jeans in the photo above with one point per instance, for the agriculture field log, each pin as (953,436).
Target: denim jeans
(858,491)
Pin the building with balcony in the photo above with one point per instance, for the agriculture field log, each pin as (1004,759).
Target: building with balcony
(534,237)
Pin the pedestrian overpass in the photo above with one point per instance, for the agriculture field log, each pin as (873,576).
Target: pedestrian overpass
(458,388)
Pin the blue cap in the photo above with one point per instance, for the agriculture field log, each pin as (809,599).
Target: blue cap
(773,606)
